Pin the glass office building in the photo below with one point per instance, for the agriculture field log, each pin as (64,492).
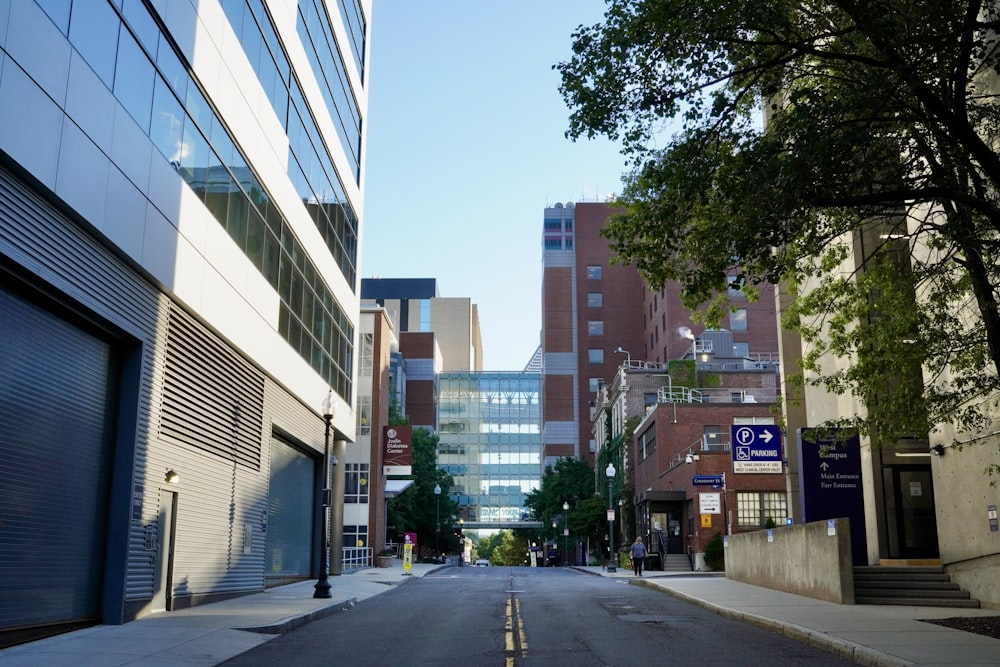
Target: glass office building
(180,194)
(490,443)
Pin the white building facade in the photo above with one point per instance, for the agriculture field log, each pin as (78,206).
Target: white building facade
(180,209)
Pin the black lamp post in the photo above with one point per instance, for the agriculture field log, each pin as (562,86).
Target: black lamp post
(437,521)
(610,472)
(323,584)
(566,532)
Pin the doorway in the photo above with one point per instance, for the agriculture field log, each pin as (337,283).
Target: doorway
(166,525)
(912,522)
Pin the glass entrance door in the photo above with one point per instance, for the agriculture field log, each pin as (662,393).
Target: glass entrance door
(912,521)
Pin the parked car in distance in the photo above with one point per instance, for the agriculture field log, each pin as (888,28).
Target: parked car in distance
(482,562)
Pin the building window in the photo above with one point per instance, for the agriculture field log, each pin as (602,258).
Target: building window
(568,245)
(733,292)
(647,443)
(741,350)
(755,508)
(593,272)
(553,244)
(366,360)
(593,445)
(595,328)
(711,437)
(594,384)
(355,483)
(595,299)
(739,421)
(364,415)
(649,399)
(738,319)
(553,225)
(595,356)
(355,536)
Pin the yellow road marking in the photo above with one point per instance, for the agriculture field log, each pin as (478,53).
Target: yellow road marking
(514,634)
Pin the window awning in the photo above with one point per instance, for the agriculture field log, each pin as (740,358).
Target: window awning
(394,487)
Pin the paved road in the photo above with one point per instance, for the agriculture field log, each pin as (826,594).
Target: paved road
(524,616)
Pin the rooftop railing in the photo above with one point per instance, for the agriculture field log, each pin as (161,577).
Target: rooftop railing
(717,395)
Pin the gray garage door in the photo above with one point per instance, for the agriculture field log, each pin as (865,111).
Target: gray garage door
(290,512)
(55,451)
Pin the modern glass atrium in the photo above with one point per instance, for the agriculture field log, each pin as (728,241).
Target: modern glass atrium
(491,445)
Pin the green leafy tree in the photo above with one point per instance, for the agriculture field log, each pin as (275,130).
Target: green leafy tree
(570,481)
(512,549)
(416,508)
(871,189)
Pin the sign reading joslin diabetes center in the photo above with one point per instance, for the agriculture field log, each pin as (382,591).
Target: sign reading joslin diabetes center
(397,450)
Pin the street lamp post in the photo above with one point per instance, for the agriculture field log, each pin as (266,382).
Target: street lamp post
(566,531)
(610,472)
(323,583)
(437,519)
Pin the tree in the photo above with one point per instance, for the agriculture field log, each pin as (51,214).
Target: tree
(512,550)
(416,509)
(570,481)
(877,155)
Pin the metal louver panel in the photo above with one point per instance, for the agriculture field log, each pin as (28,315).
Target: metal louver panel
(212,399)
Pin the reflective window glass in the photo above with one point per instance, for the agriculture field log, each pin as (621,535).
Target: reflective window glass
(58,11)
(134,80)
(167,123)
(93,30)
(171,68)
(141,24)
(738,319)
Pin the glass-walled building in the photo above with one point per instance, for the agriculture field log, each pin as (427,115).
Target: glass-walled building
(490,443)
(181,186)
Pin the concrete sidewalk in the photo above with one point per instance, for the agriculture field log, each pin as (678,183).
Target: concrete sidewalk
(210,634)
(886,635)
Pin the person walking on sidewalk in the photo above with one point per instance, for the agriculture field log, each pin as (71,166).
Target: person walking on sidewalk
(606,551)
(638,555)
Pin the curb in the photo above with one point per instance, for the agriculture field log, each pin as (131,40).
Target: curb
(842,648)
(292,622)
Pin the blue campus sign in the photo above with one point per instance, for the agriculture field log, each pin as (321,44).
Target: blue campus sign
(830,482)
(756,448)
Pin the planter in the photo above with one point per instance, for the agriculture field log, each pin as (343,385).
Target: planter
(384,561)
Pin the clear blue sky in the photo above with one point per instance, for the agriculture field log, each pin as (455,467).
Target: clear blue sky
(466,148)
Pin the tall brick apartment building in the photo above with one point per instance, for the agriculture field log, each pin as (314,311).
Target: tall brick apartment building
(609,347)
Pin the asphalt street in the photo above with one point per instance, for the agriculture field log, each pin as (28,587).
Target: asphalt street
(524,616)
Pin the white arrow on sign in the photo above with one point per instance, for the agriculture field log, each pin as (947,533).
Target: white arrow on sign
(766,437)
(824,465)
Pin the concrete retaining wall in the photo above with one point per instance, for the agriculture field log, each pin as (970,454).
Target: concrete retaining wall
(803,559)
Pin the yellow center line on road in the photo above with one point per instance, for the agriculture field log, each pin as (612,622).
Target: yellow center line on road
(514,635)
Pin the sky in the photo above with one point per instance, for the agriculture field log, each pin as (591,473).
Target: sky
(466,147)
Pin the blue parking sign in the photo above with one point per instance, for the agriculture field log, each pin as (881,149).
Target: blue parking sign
(756,448)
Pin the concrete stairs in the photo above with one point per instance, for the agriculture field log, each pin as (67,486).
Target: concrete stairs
(670,563)
(923,585)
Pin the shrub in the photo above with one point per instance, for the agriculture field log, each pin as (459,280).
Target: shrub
(715,553)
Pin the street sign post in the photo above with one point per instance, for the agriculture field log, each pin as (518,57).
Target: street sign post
(707,480)
(756,448)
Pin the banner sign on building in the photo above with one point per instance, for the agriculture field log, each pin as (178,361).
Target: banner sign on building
(397,450)
(830,482)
